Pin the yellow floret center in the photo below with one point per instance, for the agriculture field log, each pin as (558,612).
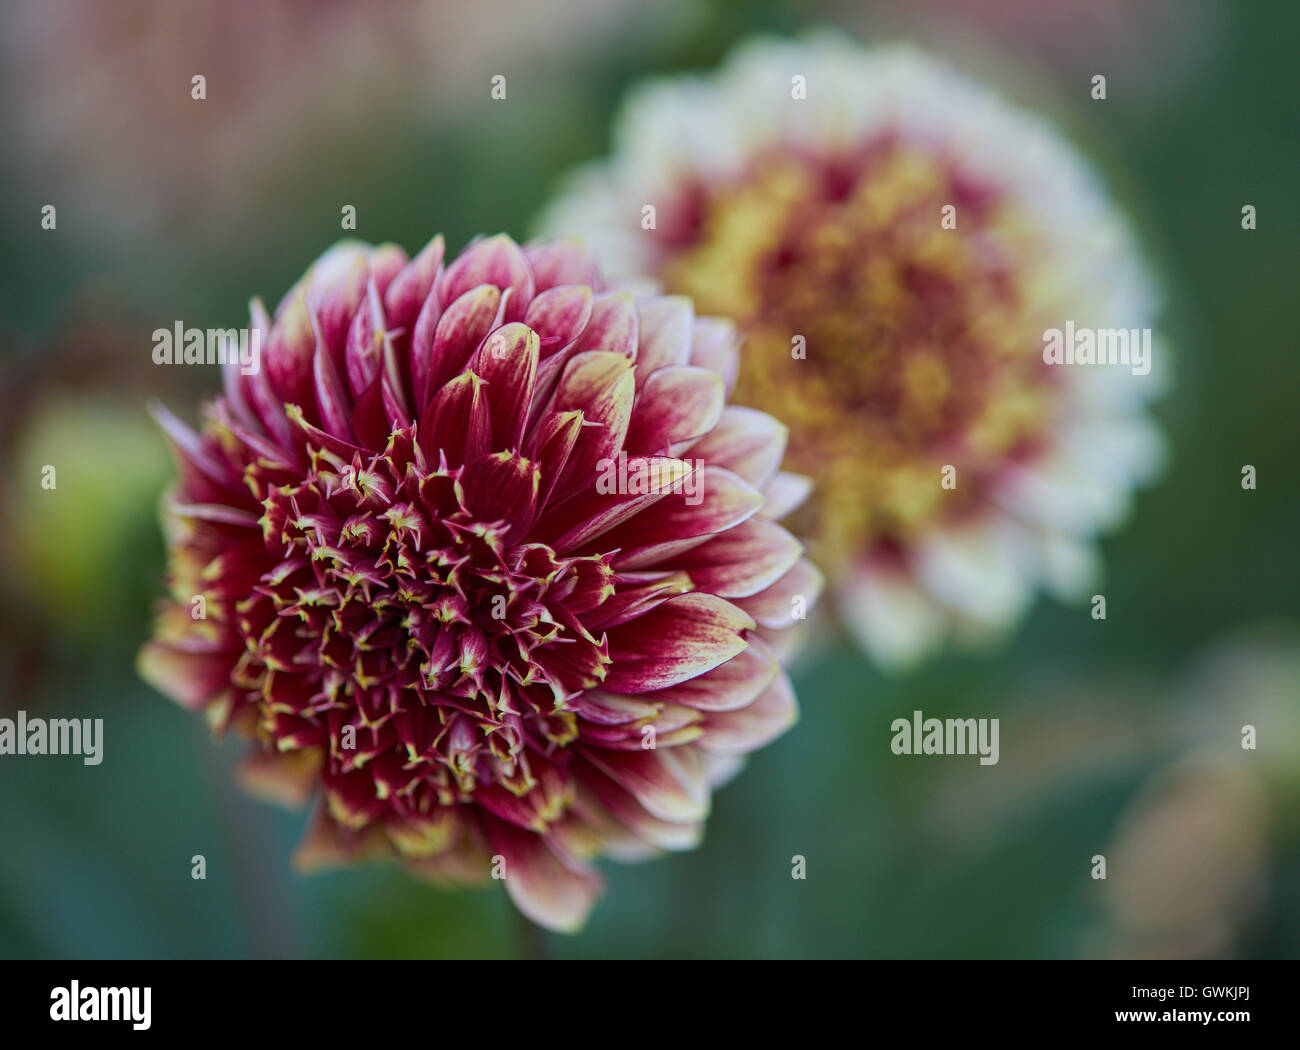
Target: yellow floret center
(891,345)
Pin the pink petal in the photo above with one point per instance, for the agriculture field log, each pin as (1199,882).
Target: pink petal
(406,296)
(496,261)
(624,808)
(326,844)
(549,445)
(206,479)
(672,725)
(747,442)
(332,400)
(613,327)
(364,350)
(602,387)
(749,728)
(421,349)
(548,377)
(386,261)
(578,521)
(189,678)
(609,709)
(635,594)
(502,486)
(677,640)
(456,421)
(215,512)
(667,323)
(396,398)
(785,493)
(728,686)
(317,438)
(774,607)
(675,404)
(289,353)
(669,782)
(563,262)
(369,420)
(682,520)
(463,325)
(287,780)
(234,391)
(554,890)
(507,362)
(741,561)
(256,386)
(337,305)
(559,315)
(715,348)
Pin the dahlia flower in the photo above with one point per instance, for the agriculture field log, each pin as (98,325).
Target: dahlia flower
(423,595)
(895,243)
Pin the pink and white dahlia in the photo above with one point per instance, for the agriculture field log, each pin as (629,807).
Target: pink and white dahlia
(487,562)
(894,243)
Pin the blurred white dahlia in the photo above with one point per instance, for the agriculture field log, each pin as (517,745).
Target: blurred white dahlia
(804,190)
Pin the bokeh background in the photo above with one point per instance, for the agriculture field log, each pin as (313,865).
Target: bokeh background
(1119,737)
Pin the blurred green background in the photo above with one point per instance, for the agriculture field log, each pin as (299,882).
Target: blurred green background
(1119,737)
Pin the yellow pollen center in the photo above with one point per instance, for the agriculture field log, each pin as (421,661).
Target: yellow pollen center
(891,346)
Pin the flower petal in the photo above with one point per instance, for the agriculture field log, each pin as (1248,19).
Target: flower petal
(502,486)
(785,493)
(742,561)
(507,362)
(495,261)
(747,442)
(749,728)
(675,404)
(191,678)
(335,305)
(562,261)
(602,387)
(289,352)
(406,296)
(669,782)
(332,400)
(613,327)
(559,315)
(462,326)
(574,524)
(788,599)
(714,500)
(715,348)
(677,640)
(729,685)
(456,422)
(667,324)
(363,354)
(554,891)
